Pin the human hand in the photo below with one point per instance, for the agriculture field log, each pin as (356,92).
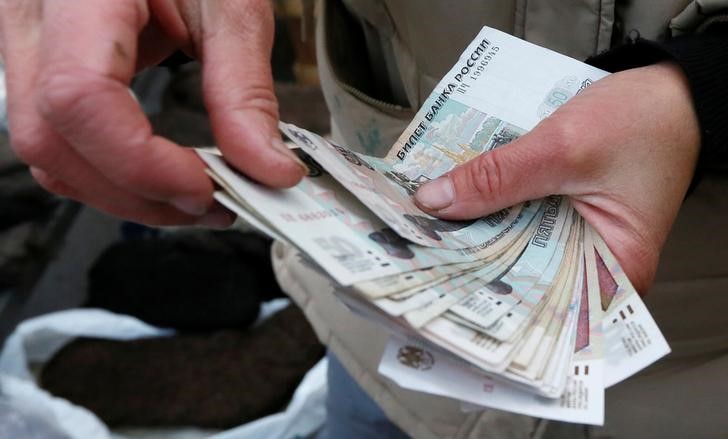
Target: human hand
(73,120)
(624,150)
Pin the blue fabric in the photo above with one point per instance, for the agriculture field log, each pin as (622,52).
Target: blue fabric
(350,412)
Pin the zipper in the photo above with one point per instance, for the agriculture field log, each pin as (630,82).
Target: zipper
(387,107)
(394,110)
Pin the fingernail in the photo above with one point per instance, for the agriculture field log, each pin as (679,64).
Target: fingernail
(216,219)
(437,194)
(281,147)
(189,205)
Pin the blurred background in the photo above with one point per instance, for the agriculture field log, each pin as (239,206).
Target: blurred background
(84,297)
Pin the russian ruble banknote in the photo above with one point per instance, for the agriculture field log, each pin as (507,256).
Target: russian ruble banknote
(345,238)
(489,98)
(524,310)
(607,336)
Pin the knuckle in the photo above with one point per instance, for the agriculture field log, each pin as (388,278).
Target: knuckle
(263,99)
(69,98)
(486,175)
(564,144)
(559,134)
(253,97)
(60,93)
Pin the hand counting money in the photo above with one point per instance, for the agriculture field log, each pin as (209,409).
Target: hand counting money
(524,310)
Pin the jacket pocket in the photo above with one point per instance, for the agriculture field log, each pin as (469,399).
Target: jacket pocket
(360,121)
(578,29)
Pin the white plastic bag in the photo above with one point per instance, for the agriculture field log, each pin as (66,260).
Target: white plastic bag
(305,414)
(38,339)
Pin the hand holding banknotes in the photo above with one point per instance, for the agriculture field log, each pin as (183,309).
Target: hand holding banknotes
(73,120)
(525,309)
(624,150)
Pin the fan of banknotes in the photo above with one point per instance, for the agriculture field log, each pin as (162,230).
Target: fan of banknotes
(525,310)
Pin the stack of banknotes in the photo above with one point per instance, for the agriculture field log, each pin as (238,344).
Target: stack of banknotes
(525,310)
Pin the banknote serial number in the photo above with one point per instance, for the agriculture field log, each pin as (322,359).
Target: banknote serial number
(475,66)
(315,215)
(477,70)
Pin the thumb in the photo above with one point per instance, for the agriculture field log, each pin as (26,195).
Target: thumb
(237,38)
(525,169)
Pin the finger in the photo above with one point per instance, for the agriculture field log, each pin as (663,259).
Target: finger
(132,207)
(154,46)
(165,32)
(83,94)
(637,255)
(528,168)
(20,36)
(238,89)
(38,145)
(78,180)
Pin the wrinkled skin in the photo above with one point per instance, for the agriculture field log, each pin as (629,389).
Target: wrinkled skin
(624,150)
(73,120)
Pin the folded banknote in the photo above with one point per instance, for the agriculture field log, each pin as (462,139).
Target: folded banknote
(526,309)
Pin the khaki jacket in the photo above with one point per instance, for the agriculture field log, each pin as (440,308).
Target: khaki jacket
(417,41)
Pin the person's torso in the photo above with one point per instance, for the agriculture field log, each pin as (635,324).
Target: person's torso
(427,35)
